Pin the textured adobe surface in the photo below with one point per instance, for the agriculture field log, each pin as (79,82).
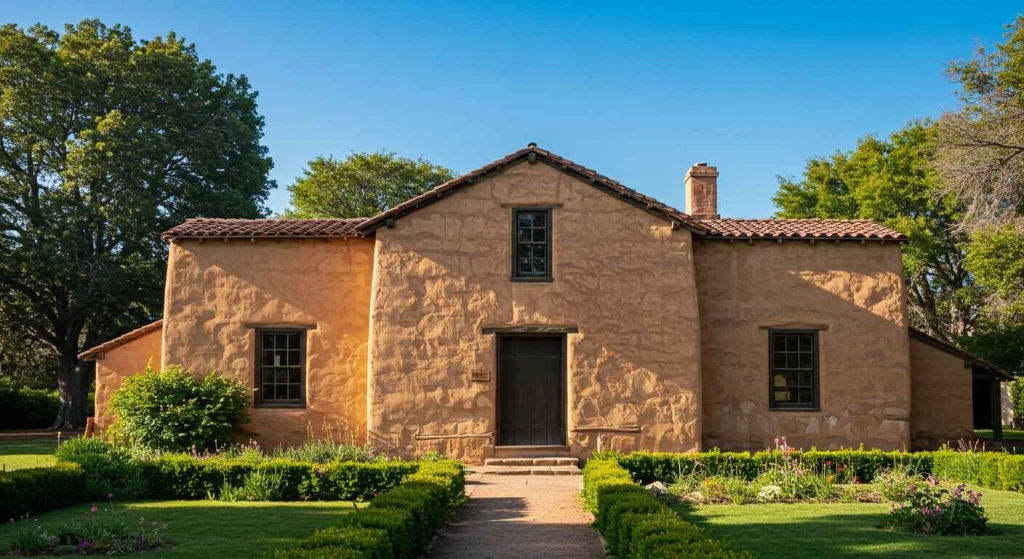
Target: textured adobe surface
(120,362)
(218,291)
(943,409)
(621,275)
(853,292)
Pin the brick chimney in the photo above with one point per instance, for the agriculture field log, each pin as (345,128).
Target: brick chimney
(702,191)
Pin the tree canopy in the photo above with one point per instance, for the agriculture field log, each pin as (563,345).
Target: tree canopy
(893,182)
(105,142)
(362,184)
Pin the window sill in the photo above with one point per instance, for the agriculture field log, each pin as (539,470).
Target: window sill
(534,280)
(301,406)
(795,409)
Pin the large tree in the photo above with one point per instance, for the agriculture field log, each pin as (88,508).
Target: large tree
(106,141)
(981,157)
(892,181)
(361,184)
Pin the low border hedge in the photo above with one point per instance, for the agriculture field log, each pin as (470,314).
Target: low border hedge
(185,477)
(635,524)
(36,490)
(995,470)
(647,467)
(398,524)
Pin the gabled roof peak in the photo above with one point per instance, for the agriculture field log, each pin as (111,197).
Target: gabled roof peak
(532,153)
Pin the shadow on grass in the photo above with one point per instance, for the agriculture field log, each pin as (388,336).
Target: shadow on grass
(802,531)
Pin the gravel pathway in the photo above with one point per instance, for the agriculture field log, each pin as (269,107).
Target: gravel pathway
(520,517)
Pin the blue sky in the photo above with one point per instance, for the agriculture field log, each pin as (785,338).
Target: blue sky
(636,91)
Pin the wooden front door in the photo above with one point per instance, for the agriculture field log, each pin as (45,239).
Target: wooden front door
(531,394)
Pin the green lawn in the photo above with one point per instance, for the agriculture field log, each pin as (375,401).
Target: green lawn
(214,528)
(1008,434)
(16,454)
(851,530)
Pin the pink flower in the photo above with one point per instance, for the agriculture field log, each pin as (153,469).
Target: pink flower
(94,508)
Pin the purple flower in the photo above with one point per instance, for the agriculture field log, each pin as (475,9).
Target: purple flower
(94,508)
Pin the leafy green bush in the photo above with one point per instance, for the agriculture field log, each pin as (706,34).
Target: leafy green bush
(636,524)
(173,410)
(36,490)
(26,408)
(1017,399)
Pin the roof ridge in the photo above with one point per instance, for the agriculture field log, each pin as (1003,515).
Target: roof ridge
(531,153)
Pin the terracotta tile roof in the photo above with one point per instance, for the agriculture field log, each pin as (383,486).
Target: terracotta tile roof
(957,352)
(534,153)
(717,228)
(839,229)
(91,354)
(220,228)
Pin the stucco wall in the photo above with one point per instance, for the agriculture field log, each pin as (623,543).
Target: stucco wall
(621,275)
(942,411)
(853,293)
(117,364)
(217,293)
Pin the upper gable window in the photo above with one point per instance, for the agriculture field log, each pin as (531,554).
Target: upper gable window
(793,362)
(531,246)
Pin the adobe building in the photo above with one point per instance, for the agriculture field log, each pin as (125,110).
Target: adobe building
(536,305)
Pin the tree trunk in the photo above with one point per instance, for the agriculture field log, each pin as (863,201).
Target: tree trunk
(73,385)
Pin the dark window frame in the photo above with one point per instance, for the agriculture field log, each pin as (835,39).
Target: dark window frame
(549,229)
(260,401)
(815,404)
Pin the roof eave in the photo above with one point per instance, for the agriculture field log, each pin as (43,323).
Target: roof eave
(957,352)
(712,236)
(93,352)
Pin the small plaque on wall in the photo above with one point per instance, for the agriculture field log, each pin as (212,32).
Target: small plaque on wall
(480,376)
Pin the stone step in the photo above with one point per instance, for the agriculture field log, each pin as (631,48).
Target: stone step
(527,470)
(540,461)
(545,451)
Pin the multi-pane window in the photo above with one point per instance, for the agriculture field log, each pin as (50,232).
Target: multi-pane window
(532,246)
(280,357)
(793,362)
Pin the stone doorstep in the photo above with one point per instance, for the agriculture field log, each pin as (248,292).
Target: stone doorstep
(526,470)
(544,451)
(545,461)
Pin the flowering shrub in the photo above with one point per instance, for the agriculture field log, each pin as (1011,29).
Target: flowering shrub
(898,485)
(933,509)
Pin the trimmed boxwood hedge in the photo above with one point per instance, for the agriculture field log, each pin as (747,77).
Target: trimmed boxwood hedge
(185,477)
(36,490)
(995,470)
(637,525)
(397,524)
(647,467)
